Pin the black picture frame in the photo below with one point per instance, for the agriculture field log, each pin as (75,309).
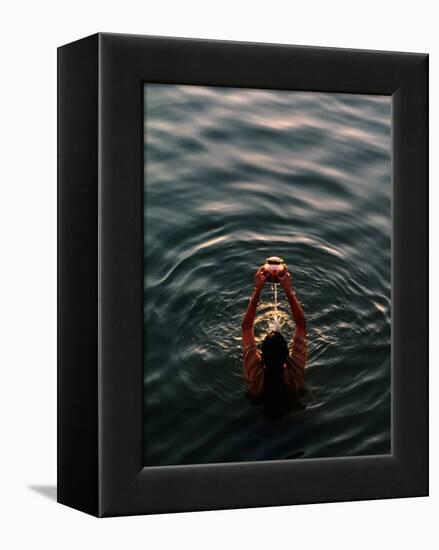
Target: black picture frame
(100,274)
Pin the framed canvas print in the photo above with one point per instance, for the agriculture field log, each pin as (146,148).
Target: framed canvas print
(242,274)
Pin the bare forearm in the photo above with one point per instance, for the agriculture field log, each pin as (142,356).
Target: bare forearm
(250,314)
(296,309)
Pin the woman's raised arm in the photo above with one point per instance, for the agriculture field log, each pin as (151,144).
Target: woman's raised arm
(250,314)
(300,340)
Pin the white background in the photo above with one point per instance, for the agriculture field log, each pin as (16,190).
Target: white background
(30,34)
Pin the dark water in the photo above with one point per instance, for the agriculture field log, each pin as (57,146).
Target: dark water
(231,177)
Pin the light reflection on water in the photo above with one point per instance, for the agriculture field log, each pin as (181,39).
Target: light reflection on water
(233,176)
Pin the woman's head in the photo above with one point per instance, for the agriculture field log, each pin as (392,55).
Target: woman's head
(274,350)
(274,355)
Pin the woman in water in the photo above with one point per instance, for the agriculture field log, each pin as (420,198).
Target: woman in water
(275,376)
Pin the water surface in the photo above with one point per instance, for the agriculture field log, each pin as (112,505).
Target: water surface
(233,176)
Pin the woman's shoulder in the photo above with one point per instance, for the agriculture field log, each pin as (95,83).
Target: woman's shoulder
(294,373)
(254,370)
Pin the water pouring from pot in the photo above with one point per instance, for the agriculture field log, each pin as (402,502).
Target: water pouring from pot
(274,266)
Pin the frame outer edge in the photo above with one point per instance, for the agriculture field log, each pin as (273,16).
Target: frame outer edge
(410,294)
(77,384)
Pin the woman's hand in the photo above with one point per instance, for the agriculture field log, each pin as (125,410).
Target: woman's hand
(260,278)
(285,280)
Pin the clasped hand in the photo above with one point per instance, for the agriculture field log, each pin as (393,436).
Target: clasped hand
(284,279)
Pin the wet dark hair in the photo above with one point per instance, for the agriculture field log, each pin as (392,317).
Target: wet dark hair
(274,354)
